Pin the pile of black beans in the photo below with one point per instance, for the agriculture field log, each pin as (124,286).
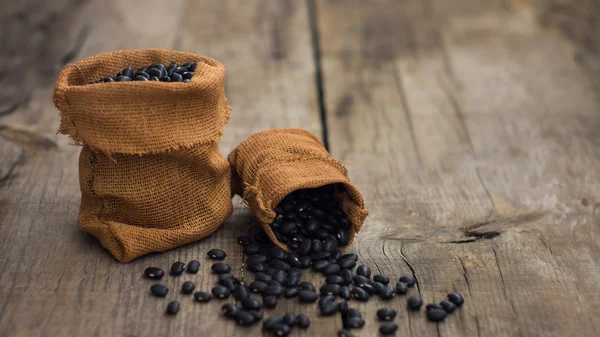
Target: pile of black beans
(155,72)
(282,325)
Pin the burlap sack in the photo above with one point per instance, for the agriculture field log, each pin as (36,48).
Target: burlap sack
(151,174)
(271,164)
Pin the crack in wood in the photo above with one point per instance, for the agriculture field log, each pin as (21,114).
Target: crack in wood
(412,270)
(18,162)
(465,273)
(512,304)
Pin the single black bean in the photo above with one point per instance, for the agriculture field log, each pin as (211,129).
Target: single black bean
(270,301)
(334,279)
(302,321)
(251,249)
(159,290)
(242,317)
(259,258)
(401,288)
(359,279)
(386,314)
(342,237)
(306,262)
(140,78)
(448,306)
(354,322)
(291,292)
(456,298)
(436,315)
(345,293)
(144,74)
(293,245)
(258,287)
(330,245)
(414,302)
(274,290)
(292,281)
(154,72)
(346,275)
(381,279)
(306,286)
(164,78)
(225,276)
(326,298)
(230,310)
(344,333)
(409,280)
(350,256)
(387,293)
(188,287)
(153,78)
(368,287)
(171,67)
(173,307)
(220,292)
(216,254)
(307,296)
(320,265)
(257,314)
(257,267)
(260,276)
(278,253)
(305,247)
(343,306)
(187,75)
(344,223)
(220,268)
(127,72)
(241,292)
(363,271)
(294,271)
(294,260)
(228,283)
(329,308)
(154,273)
(431,306)
(177,268)
(243,240)
(320,255)
(321,234)
(288,228)
(271,322)
(378,286)
(193,267)
(202,296)
(346,263)
(192,66)
(388,328)
(353,312)
(281,330)
(251,304)
(289,318)
(360,294)
(332,269)
(330,289)
(274,283)
(279,276)
(278,264)
(108,79)
(316,246)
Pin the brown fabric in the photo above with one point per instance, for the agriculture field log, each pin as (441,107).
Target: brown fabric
(151,174)
(272,164)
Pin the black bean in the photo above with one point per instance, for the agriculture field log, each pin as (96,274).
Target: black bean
(378,286)
(257,314)
(330,245)
(202,296)
(329,308)
(273,290)
(143,74)
(193,267)
(277,253)
(216,254)
(388,328)
(258,287)
(344,333)
(436,315)
(345,293)
(330,289)
(230,310)
(336,255)
(350,256)
(456,298)
(290,216)
(127,72)
(241,292)
(270,323)
(334,279)
(368,287)
(288,228)
(306,261)
(316,246)
(192,66)
(433,306)
(319,213)
(154,273)
(342,237)
(260,276)
(346,263)
(381,279)
(242,317)
(332,269)
(154,78)
(305,247)
(292,281)
(353,312)
(289,318)
(302,321)
(387,293)
(409,280)
(228,283)
(307,296)
(155,72)
(359,279)
(257,267)
(159,290)
(291,292)
(306,286)
(346,275)
(177,268)
(187,75)
(279,276)
(294,271)
(414,302)
(320,265)
(251,249)
(188,287)
(251,304)
(278,264)
(173,307)
(326,298)
(344,223)
(360,294)
(401,288)
(320,255)
(259,258)
(448,306)
(343,306)
(239,281)
(386,314)
(294,260)
(321,234)
(175,77)
(281,330)
(363,271)
(243,240)
(220,268)
(140,78)
(270,301)
(108,79)
(354,322)
(293,245)
(274,283)
(220,292)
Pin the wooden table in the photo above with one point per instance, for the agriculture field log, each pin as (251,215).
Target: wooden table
(472,128)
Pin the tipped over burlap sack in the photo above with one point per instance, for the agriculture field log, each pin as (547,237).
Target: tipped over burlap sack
(271,164)
(151,174)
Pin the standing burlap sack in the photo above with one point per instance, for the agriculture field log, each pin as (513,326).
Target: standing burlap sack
(151,174)
(271,164)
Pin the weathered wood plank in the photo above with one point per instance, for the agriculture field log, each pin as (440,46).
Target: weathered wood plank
(471,132)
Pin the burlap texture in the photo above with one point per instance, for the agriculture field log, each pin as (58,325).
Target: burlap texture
(151,174)
(271,164)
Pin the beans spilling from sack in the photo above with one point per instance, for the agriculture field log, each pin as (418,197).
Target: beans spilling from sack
(155,72)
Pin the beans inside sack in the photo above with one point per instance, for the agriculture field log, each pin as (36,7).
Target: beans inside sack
(155,72)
